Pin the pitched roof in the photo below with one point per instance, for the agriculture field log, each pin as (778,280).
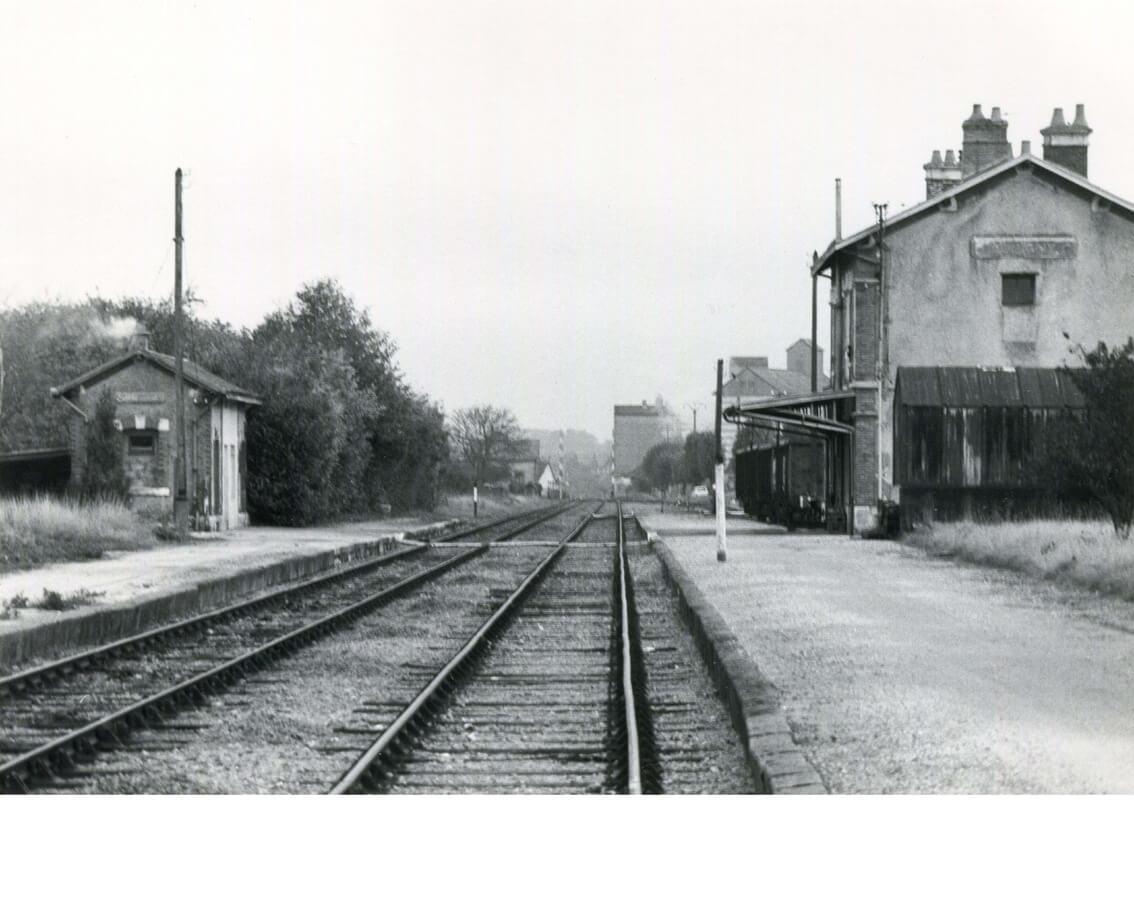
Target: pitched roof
(1035,388)
(194,374)
(780,381)
(930,205)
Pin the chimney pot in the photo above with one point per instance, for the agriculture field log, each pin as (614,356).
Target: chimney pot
(977,113)
(950,160)
(1080,115)
(996,114)
(935,160)
(1057,119)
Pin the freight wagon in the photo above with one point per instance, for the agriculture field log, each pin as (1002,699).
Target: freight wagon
(783,483)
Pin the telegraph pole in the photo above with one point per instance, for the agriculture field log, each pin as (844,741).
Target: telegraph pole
(180,486)
(718,477)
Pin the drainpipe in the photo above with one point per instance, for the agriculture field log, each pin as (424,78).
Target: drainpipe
(879,364)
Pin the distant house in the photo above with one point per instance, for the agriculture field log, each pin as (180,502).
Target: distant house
(524,465)
(143,388)
(750,378)
(549,483)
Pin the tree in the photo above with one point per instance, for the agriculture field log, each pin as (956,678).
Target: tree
(104,476)
(699,457)
(483,436)
(661,468)
(1092,452)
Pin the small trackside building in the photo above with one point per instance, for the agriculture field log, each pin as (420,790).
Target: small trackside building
(950,322)
(142,385)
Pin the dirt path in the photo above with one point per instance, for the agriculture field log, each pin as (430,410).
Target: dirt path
(902,673)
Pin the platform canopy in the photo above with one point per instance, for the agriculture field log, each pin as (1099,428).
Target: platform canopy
(825,412)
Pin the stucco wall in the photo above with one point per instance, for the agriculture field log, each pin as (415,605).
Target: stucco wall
(944,302)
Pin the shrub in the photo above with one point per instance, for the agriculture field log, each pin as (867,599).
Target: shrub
(1092,450)
(104,476)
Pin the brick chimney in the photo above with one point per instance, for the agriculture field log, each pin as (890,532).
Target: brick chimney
(1066,145)
(941,174)
(985,141)
(140,339)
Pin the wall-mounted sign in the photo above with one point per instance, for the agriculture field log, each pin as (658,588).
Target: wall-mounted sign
(139,396)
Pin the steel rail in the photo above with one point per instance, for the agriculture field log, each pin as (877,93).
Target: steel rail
(214,679)
(56,668)
(350,781)
(633,753)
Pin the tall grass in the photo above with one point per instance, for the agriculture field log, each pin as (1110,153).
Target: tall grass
(1084,553)
(43,529)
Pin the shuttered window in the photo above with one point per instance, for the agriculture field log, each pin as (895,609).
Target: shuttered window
(1018,289)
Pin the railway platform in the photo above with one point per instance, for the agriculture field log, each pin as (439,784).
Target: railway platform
(692,524)
(129,591)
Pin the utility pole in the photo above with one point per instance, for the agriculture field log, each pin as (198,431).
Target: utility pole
(693,406)
(180,486)
(718,477)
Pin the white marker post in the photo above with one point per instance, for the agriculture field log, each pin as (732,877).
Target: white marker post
(722,548)
(474,501)
(718,475)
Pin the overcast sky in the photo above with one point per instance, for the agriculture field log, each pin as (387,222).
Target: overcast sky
(551,206)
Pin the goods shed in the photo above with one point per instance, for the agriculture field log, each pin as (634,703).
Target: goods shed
(966,440)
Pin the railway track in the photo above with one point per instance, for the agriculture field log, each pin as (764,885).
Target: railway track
(552,693)
(567,688)
(67,709)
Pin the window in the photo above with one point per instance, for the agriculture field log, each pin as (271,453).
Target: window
(142,445)
(1018,289)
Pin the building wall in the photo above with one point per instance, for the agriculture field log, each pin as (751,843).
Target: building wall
(634,435)
(139,388)
(943,295)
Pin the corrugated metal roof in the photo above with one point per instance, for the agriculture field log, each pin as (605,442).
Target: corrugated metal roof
(1035,388)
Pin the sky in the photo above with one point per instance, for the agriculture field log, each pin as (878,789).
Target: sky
(552,207)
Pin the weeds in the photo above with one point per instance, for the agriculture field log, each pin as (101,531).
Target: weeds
(54,601)
(44,529)
(1083,553)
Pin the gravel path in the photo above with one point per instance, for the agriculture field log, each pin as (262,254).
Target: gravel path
(902,673)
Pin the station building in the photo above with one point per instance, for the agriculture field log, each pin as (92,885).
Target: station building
(142,384)
(950,325)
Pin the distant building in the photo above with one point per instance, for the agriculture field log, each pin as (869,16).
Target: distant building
(524,465)
(750,378)
(142,384)
(549,483)
(637,428)
(948,325)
